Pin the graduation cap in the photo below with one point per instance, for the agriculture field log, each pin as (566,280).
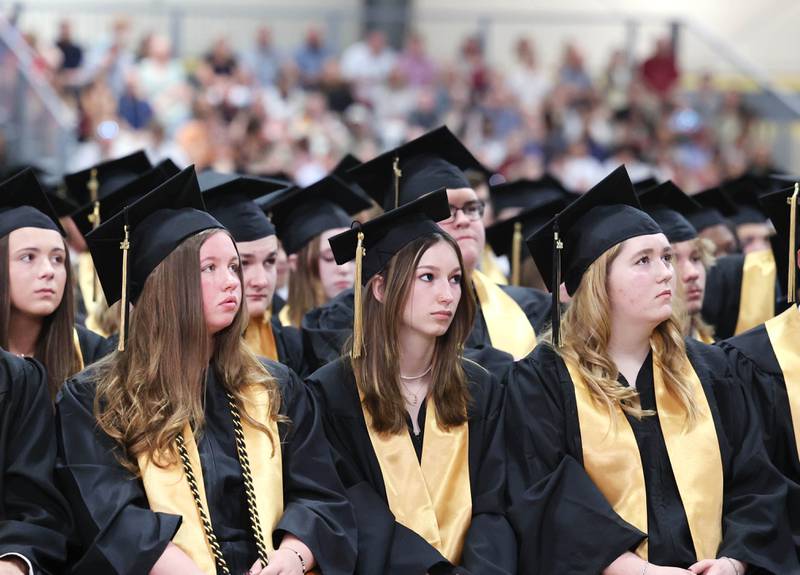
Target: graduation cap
(24,204)
(300,214)
(715,209)
(506,237)
(117,199)
(56,193)
(375,242)
(127,247)
(645,184)
(527,194)
(435,160)
(781,207)
(342,171)
(229,198)
(668,205)
(744,192)
(606,215)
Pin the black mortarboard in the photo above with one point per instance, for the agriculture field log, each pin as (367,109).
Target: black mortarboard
(744,192)
(342,171)
(779,206)
(230,199)
(506,237)
(527,194)
(109,176)
(645,184)
(432,161)
(150,228)
(55,192)
(375,242)
(24,204)
(117,199)
(606,215)
(668,205)
(300,214)
(716,208)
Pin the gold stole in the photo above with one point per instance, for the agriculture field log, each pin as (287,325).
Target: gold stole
(168,490)
(86,281)
(490,268)
(77,342)
(260,338)
(283,316)
(703,338)
(757,299)
(509,328)
(432,498)
(612,460)
(784,333)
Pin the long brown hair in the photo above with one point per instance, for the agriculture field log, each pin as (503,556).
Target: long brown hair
(146,394)
(305,285)
(586,331)
(377,371)
(55,346)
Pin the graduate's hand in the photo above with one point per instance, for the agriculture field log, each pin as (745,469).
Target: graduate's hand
(13,566)
(722,566)
(174,560)
(282,562)
(659,570)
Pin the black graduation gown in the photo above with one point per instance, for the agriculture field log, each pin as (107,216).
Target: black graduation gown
(753,360)
(118,533)
(93,346)
(289,344)
(34,517)
(387,547)
(559,513)
(326,329)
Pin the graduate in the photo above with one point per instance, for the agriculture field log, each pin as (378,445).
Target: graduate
(34,518)
(765,357)
(634,450)
(182,452)
(37,315)
(712,220)
(305,218)
(416,427)
(753,229)
(691,255)
(229,198)
(508,315)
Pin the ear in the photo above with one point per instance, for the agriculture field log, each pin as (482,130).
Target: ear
(378,287)
(292,261)
(797,258)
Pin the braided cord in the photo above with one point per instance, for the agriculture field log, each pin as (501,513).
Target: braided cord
(209,531)
(249,489)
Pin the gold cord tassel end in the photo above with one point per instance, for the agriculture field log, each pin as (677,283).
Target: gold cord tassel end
(358,313)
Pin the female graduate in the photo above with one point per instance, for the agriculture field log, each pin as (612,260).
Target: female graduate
(182,452)
(416,428)
(34,518)
(633,451)
(37,315)
(229,198)
(305,219)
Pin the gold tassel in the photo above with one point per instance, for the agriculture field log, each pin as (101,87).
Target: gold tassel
(358,333)
(125,245)
(556,287)
(790,284)
(397,173)
(516,254)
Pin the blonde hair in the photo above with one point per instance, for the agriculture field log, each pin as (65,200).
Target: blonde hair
(586,331)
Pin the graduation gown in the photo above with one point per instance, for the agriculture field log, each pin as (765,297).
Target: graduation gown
(386,546)
(753,358)
(288,345)
(93,346)
(326,329)
(117,531)
(558,511)
(34,517)
(723,304)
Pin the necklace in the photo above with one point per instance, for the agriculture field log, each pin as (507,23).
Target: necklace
(414,396)
(420,376)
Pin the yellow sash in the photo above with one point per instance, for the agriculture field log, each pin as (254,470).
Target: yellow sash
(612,460)
(757,299)
(509,328)
(432,498)
(168,490)
(699,336)
(784,333)
(283,316)
(78,351)
(260,339)
(86,281)
(490,268)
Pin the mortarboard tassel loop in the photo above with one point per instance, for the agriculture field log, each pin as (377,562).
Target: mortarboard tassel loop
(397,173)
(791,282)
(555,319)
(516,254)
(358,312)
(125,246)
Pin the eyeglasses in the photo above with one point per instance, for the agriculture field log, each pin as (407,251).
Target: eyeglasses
(472,210)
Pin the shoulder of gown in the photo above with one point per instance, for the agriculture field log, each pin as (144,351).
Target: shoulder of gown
(535,303)
(93,346)
(723,291)
(325,330)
